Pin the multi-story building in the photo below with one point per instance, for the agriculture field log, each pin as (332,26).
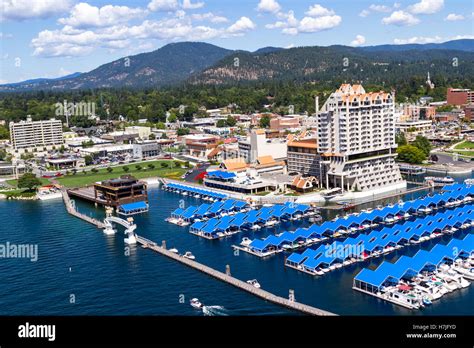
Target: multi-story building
(356,140)
(303,156)
(36,135)
(258,145)
(458,96)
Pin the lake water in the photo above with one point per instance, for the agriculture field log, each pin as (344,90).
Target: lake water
(81,271)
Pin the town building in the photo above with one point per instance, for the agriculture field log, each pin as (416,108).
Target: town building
(200,145)
(27,136)
(418,112)
(356,140)
(258,145)
(459,96)
(142,132)
(284,123)
(469,113)
(415,127)
(146,150)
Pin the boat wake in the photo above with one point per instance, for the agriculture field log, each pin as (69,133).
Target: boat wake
(215,311)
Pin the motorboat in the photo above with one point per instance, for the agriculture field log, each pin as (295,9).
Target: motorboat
(254,283)
(189,255)
(195,303)
(467,273)
(174,250)
(245,241)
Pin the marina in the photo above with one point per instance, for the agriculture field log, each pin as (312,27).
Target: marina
(364,221)
(414,282)
(327,258)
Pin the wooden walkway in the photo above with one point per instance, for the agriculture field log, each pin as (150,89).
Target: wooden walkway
(267,296)
(72,210)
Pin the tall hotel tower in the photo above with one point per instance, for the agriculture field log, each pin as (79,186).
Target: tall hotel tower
(356,141)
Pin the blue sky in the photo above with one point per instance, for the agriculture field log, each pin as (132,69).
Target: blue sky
(51,38)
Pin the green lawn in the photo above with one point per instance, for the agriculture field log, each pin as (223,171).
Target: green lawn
(15,182)
(465,145)
(81,179)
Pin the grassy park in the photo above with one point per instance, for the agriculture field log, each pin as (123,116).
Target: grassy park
(140,171)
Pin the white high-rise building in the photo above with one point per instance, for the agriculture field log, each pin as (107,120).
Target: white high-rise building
(30,135)
(356,140)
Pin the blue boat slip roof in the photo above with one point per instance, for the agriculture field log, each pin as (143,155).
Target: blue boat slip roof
(202,209)
(391,235)
(134,206)
(415,264)
(178,212)
(215,207)
(228,205)
(197,225)
(188,213)
(221,174)
(196,190)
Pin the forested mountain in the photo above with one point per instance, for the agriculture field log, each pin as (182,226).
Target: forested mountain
(202,63)
(338,63)
(168,65)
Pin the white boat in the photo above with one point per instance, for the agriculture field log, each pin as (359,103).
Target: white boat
(174,250)
(467,273)
(428,289)
(245,241)
(254,282)
(189,255)
(256,227)
(195,303)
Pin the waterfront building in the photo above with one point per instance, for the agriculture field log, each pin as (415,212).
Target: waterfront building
(303,156)
(27,136)
(356,140)
(124,190)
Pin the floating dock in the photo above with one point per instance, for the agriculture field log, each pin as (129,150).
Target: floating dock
(267,296)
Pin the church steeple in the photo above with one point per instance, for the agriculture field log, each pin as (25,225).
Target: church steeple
(429,83)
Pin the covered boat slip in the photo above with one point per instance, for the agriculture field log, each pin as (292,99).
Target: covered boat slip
(389,275)
(133,208)
(222,226)
(381,242)
(206,211)
(362,222)
(194,191)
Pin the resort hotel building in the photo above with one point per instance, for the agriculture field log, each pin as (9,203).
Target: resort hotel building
(356,141)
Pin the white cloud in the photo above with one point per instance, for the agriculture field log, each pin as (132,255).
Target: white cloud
(426,7)
(211,17)
(454,17)
(270,6)
(418,40)
(187,5)
(18,10)
(312,25)
(243,25)
(84,15)
(163,5)
(380,8)
(358,41)
(290,31)
(318,11)
(290,46)
(5,35)
(433,39)
(69,41)
(364,13)
(401,18)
